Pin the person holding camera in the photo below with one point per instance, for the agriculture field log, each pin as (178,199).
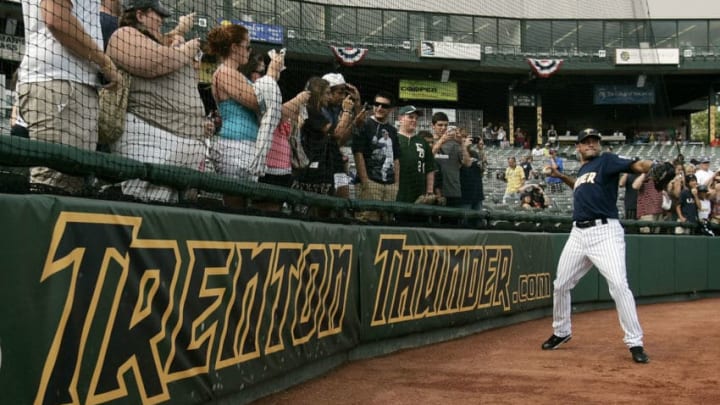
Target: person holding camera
(451,153)
(471,177)
(343,111)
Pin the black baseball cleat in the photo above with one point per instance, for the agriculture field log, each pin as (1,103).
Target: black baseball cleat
(638,354)
(554,341)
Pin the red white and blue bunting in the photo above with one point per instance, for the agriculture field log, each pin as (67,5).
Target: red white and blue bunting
(348,56)
(545,67)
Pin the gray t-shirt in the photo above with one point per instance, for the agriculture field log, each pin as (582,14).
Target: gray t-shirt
(449,159)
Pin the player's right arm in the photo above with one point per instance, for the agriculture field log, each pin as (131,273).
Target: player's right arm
(569,180)
(641,166)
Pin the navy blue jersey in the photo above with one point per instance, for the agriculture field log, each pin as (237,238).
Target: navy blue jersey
(596,188)
(688,207)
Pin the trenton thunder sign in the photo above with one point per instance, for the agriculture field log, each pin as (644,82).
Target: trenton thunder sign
(123,313)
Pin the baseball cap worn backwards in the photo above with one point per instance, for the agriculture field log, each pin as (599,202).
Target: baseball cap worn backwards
(128,5)
(335,79)
(587,133)
(409,109)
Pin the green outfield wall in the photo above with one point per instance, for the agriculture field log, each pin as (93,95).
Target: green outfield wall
(129,303)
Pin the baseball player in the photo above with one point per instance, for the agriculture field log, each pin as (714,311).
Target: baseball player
(597,238)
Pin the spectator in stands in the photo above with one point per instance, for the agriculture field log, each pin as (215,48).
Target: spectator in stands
(546,150)
(341,111)
(704,210)
(110,11)
(451,154)
(255,67)
(519,141)
(538,197)
(417,164)
(439,124)
(471,177)
(428,137)
(241,149)
(649,201)
(165,121)
(703,173)
(716,141)
(674,188)
(376,150)
(526,201)
(714,195)
(556,184)
(515,178)
(321,149)
(630,199)
(501,137)
(58,79)
(551,135)
(489,136)
(687,209)
(278,169)
(538,152)
(527,167)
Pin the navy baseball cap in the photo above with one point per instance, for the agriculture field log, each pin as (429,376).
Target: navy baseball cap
(586,133)
(689,178)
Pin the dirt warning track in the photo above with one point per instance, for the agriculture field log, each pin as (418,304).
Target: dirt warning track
(506,366)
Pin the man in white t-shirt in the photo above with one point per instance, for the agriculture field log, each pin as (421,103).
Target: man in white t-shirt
(58,78)
(538,152)
(703,173)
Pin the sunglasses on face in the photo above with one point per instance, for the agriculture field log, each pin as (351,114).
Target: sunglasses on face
(382,105)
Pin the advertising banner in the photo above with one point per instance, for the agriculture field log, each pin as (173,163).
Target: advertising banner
(647,56)
(272,34)
(450,50)
(623,94)
(428,90)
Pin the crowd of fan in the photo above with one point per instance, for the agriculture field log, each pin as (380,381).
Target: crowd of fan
(322,140)
(692,198)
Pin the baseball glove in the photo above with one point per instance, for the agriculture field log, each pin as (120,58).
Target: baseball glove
(429,199)
(662,173)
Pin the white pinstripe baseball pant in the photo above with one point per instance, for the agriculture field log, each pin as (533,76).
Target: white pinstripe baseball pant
(603,246)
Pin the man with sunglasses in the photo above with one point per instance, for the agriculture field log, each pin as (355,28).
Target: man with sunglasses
(376,150)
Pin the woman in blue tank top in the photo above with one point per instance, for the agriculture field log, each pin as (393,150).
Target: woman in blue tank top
(235,97)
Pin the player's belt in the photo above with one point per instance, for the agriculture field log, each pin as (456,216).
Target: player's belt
(591,222)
